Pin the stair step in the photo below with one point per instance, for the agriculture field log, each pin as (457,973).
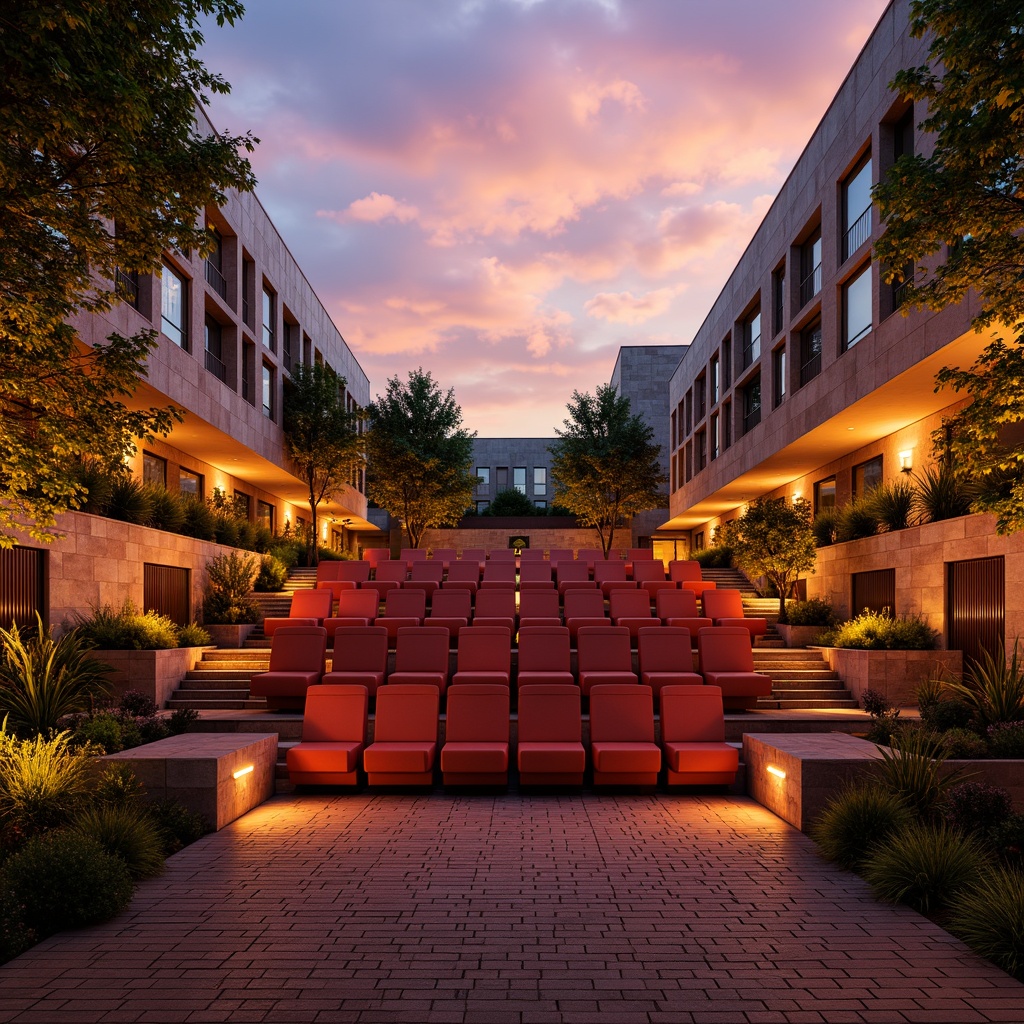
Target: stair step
(772,704)
(234,673)
(224,704)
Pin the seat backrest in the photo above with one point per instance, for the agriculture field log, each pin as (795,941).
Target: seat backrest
(692,714)
(404,603)
(335,713)
(496,602)
(464,571)
(477,555)
(478,711)
(422,649)
(724,649)
(485,649)
(680,569)
(428,572)
(358,603)
(536,571)
(664,649)
(326,571)
(357,571)
(502,571)
(311,604)
(445,555)
(531,555)
(298,649)
(550,712)
(376,555)
(560,555)
(590,556)
(572,571)
(410,555)
(648,569)
(603,649)
(641,555)
(622,713)
(544,648)
(360,649)
(635,604)
(407,712)
(502,555)
(719,604)
(393,571)
(587,603)
(613,570)
(676,604)
(536,603)
(451,604)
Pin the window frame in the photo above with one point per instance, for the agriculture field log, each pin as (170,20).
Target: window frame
(861,275)
(178,333)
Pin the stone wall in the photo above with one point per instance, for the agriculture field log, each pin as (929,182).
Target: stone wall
(487,533)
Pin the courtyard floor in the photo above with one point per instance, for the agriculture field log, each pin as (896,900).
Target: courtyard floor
(514,908)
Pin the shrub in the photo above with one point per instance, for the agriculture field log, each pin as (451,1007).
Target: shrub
(128,832)
(924,866)
(892,504)
(225,529)
(817,611)
(825,527)
(962,744)
(875,632)
(884,716)
(854,820)
(193,635)
(181,719)
(178,826)
(510,502)
(856,519)
(989,917)
(128,629)
(1008,838)
(198,519)
(67,880)
(912,769)
(230,579)
(15,937)
(137,704)
(98,482)
(289,551)
(272,575)
(118,785)
(102,731)
(976,809)
(246,534)
(718,557)
(166,510)
(942,714)
(994,688)
(130,502)
(42,679)
(1006,739)
(941,494)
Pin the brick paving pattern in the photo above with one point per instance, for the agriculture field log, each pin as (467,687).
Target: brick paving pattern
(516,908)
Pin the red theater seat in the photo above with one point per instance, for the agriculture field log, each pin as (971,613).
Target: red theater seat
(404,746)
(539,608)
(360,657)
(485,656)
(725,608)
(355,608)
(632,609)
(544,656)
(308,608)
(476,748)
(452,609)
(622,747)
(573,576)
(679,608)
(666,659)
(693,737)
(421,656)
(536,575)
(549,750)
(495,608)
(603,655)
(297,658)
(445,556)
(402,608)
(333,737)
(584,608)
(726,660)
(610,575)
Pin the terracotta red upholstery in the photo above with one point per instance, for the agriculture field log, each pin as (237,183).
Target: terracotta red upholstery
(495,608)
(536,575)
(726,660)
(610,574)
(603,656)
(650,576)
(402,608)
(584,608)
(328,577)
(560,555)
(333,737)
(502,555)
(463,575)
(421,656)
(693,737)
(346,569)
(360,657)
(297,658)
(679,608)
(666,659)
(725,608)
(485,656)
(445,556)
(632,609)
(388,575)
(404,746)
(550,751)
(476,745)
(501,575)
(688,575)
(425,576)
(544,656)
(531,555)
(308,608)
(539,608)
(622,747)
(573,576)
(477,555)
(590,556)
(642,556)
(411,555)
(452,609)
(376,555)
(355,608)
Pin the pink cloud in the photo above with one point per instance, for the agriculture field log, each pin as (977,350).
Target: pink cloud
(377,207)
(627,308)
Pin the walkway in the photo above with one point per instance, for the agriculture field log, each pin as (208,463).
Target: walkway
(689,910)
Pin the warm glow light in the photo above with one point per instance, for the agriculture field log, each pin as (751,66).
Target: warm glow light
(777,772)
(797,495)
(907,460)
(243,771)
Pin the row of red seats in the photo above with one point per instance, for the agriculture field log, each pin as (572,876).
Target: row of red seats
(449,555)
(477,748)
(604,655)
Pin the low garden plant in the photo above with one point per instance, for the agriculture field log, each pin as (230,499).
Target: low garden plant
(989,916)
(878,631)
(816,611)
(230,580)
(129,629)
(855,820)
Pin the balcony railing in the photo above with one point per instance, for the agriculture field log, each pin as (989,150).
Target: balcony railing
(216,366)
(751,419)
(858,234)
(126,285)
(810,369)
(810,285)
(215,279)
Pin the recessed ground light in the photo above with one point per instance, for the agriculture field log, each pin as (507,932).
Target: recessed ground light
(777,772)
(242,771)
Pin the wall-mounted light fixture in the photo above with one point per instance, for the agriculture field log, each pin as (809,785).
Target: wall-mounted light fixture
(907,460)
(777,772)
(247,770)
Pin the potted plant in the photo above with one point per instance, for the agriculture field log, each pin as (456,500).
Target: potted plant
(229,612)
(807,621)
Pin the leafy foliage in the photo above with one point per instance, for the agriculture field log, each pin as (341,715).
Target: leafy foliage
(976,808)
(605,464)
(179,827)
(510,502)
(912,769)
(102,167)
(230,579)
(272,575)
(856,519)
(893,503)
(989,917)
(855,819)
(128,629)
(126,831)
(419,454)
(993,688)
(874,631)
(942,493)
(321,435)
(816,611)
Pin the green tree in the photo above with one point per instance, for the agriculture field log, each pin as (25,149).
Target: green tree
(957,216)
(419,454)
(774,539)
(606,466)
(510,502)
(322,437)
(102,166)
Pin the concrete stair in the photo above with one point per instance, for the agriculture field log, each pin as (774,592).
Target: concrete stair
(801,679)
(220,681)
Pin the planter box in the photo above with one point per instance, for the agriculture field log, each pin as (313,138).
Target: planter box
(229,635)
(155,673)
(798,636)
(895,674)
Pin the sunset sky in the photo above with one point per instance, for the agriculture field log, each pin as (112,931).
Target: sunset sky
(506,191)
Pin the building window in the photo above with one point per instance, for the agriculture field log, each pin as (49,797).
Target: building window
(702,450)
(268,319)
(857,209)
(214,345)
(243,504)
(249,372)
(482,506)
(867,476)
(715,375)
(726,426)
(903,136)
(484,473)
(500,478)
(268,391)
(810,268)
(752,340)
(726,363)
(824,494)
(248,293)
(540,480)
(698,541)
(675,428)
(190,483)
(215,264)
(540,504)
(154,470)
(174,306)
(700,394)
(714,437)
(857,308)
(265,514)
(779,299)
(752,404)
(688,462)
(519,479)
(810,353)
(126,286)
(778,377)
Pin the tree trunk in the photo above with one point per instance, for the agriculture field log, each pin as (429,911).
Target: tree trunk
(783,618)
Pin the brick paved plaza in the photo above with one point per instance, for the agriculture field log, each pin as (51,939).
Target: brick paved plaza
(507,909)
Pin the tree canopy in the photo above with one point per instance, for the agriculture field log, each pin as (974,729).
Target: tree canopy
(419,454)
(321,436)
(774,539)
(606,466)
(957,215)
(102,166)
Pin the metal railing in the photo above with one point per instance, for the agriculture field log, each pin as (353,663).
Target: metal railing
(751,418)
(216,366)
(857,234)
(216,280)
(126,285)
(810,369)
(810,285)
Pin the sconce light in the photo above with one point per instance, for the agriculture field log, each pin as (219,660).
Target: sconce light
(907,461)
(243,771)
(797,495)
(777,772)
